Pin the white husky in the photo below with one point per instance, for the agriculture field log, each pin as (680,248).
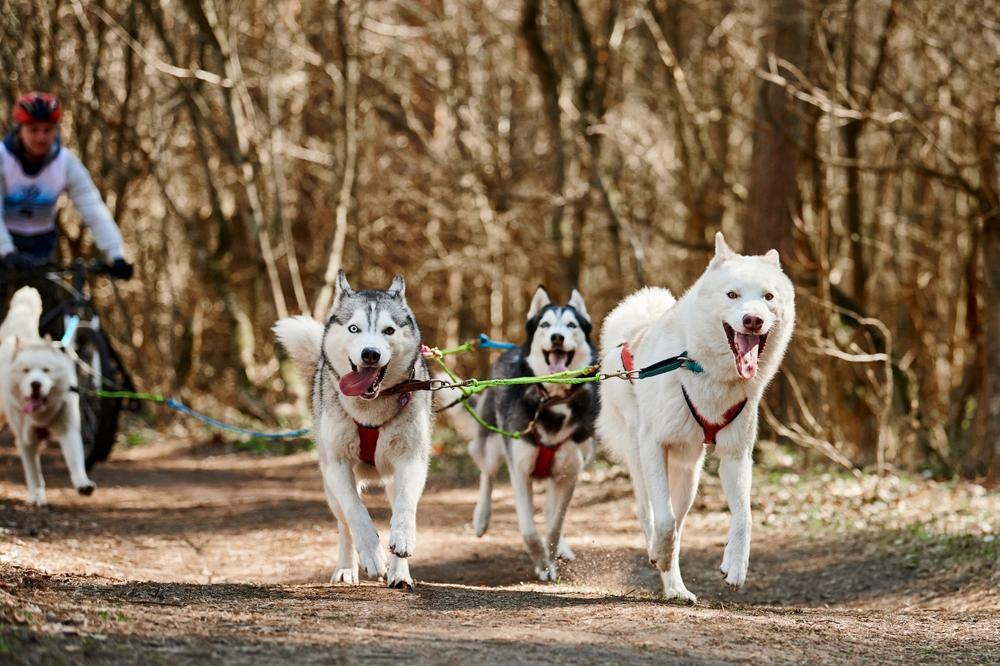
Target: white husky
(735,322)
(365,432)
(36,399)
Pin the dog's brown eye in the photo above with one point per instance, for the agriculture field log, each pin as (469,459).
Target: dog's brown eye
(768,296)
(45,370)
(733,295)
(388,330)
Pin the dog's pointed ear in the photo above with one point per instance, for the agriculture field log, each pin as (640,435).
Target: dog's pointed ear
(538,301)
(576,302)
(398,287)
(772,257)
(722,250)
(343,286)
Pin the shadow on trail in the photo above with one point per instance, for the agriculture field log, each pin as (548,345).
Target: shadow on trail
(843,571)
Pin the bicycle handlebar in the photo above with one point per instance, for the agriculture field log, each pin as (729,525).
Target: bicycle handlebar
(92,267)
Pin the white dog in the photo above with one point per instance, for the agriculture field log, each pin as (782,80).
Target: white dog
(735,323)
(365,432)
(36,397)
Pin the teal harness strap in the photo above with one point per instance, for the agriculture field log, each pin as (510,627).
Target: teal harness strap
(658,368)
(670,364)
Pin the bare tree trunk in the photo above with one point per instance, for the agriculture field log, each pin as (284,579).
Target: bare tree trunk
(548,80)
(983,456)
(774,194)
(345,195)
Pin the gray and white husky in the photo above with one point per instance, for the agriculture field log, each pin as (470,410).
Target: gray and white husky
(561,422)
(364,430)
(736,322)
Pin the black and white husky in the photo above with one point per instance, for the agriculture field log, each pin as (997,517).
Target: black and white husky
(364,430)
(558,420)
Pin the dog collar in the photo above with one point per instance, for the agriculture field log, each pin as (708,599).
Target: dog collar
(709,428)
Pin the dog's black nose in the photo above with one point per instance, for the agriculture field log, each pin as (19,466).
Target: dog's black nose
(558,339)
(752,322)
(36,387)
(370,355)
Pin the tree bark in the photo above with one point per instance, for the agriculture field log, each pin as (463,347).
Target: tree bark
(774,200)
(983,455)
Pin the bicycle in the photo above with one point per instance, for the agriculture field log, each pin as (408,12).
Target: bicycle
(77,325)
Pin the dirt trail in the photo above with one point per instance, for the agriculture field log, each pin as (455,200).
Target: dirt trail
(193,553)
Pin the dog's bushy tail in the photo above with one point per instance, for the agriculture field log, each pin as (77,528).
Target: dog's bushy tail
(301,337)
(23,314)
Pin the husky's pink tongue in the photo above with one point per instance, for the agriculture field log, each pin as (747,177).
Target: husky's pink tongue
(557,362)
(357,382)
(32,405)
(747,348)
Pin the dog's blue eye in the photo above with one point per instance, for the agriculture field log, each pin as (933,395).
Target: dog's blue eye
(388,330)
(571,325)
(733,295)
(353,328)
(544,324)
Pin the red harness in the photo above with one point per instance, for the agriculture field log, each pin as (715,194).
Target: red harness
(369,434)
(712,429)
(369,442)
(546,456)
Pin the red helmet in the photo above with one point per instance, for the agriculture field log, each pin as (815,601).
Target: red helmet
(37,107)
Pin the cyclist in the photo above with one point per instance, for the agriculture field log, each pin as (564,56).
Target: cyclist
(35,169)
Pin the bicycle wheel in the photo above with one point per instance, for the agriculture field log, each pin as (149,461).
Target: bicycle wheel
(98,416)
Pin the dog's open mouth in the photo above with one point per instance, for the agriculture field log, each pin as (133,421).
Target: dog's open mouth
(747,348)
(33,403)
(364,382)
(558,360)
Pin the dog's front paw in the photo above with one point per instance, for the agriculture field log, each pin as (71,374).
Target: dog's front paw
(371,555)
(347,576)
(547,572)
(398,577)
(545,568)
(734,565)
(564,552)
(37,498)
(403,540)
(675,589)
(680,595)
(87,489)
(481,519)
(661,547)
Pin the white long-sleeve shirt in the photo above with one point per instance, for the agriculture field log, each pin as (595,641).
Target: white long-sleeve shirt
(28,203)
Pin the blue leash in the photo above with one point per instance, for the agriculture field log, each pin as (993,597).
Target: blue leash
(204,418)
(486,343)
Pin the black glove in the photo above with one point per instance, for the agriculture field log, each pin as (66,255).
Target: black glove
(20,261)
(120,269)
